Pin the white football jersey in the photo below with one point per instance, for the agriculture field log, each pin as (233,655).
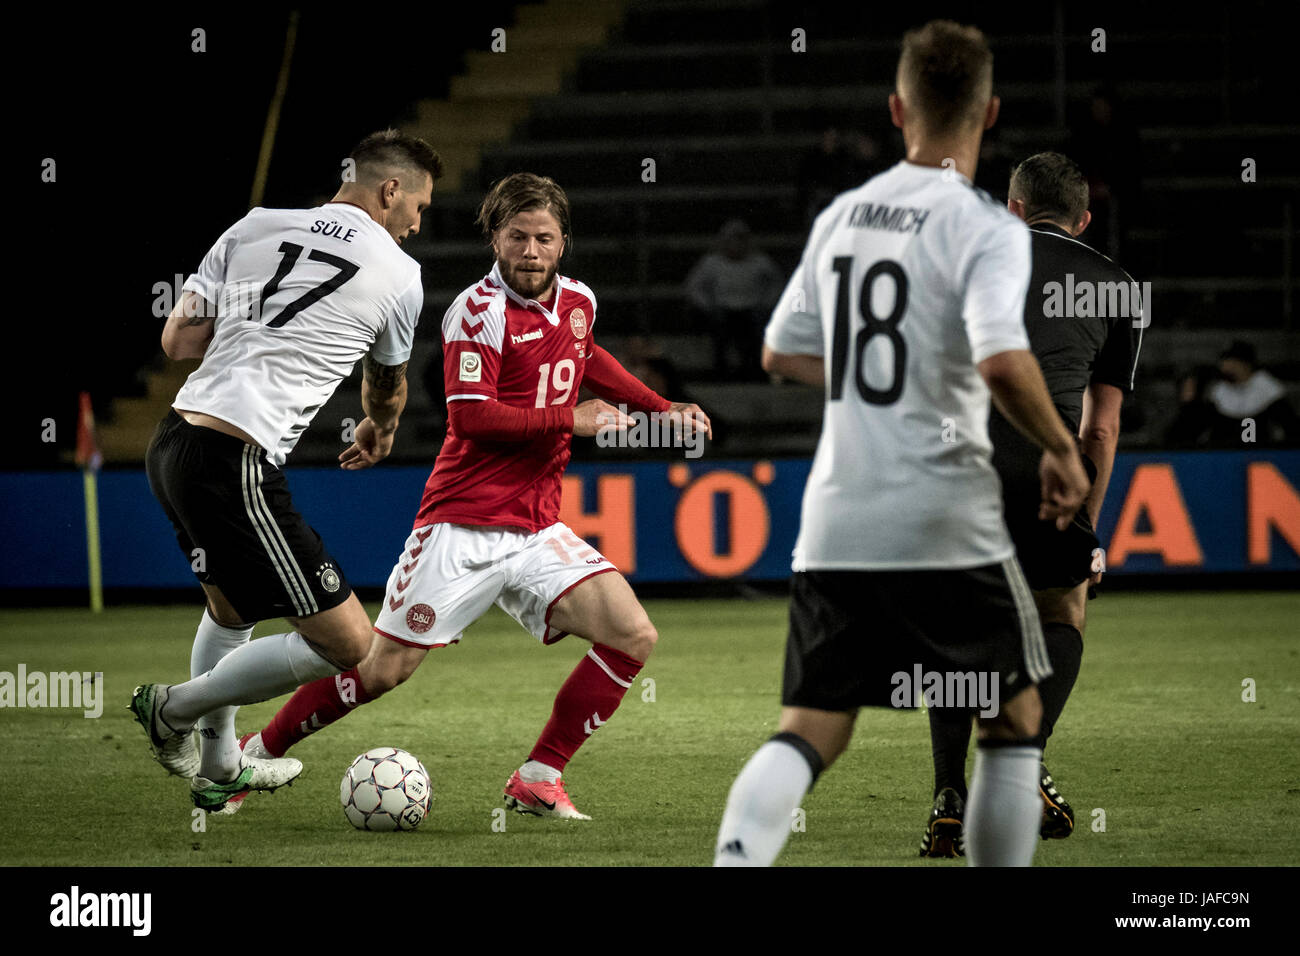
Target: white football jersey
(301,294)
(906,283)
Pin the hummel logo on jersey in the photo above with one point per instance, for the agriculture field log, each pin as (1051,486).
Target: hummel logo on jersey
(526,337)
(471,330)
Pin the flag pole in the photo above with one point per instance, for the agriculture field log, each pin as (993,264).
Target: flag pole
(89,458)
(273,113)
(92,539)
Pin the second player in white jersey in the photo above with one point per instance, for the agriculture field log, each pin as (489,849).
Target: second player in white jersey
(902,475)
(301,295)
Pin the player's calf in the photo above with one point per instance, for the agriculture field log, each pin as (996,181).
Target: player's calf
(342,635)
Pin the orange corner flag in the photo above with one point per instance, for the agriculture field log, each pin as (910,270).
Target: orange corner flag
(88,455)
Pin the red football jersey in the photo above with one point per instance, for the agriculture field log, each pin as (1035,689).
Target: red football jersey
(498,345)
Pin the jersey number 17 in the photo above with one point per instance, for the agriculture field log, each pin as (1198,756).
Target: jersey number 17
(290,252)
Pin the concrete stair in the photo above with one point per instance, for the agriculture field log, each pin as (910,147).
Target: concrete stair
(498,89)
(126,437)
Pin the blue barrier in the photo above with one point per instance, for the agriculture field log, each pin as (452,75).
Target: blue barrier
(1180,512)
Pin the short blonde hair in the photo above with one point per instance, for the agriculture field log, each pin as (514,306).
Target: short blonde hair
(945,74)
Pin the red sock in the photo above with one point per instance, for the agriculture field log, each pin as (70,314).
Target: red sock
(312,707)
(588,698)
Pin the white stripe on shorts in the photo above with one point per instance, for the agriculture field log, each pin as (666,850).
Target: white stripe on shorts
(268,532)
(1032,644)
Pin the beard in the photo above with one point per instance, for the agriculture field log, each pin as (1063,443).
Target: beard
(530,285)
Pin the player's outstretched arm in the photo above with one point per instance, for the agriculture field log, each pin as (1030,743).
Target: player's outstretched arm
(189,327)
(1021,395)
(809,369)
(1098,437)
(383,397)
(612,382)
(593,415)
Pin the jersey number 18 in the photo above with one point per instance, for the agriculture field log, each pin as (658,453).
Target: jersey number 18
(876,325)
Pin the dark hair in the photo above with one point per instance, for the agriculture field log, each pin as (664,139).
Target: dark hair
(521,192)
(1242,351)
(380,154)
(1051,186)
(948,71)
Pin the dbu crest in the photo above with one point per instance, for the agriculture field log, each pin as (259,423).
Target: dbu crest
(578,322)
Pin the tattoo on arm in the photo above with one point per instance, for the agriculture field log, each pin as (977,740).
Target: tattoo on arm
(386,378)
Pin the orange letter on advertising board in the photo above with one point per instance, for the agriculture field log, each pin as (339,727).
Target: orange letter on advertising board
(612,524)
(1271,502)
(1154,490)
(747,523)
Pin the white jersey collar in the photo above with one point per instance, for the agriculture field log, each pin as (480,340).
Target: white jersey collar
(551,314)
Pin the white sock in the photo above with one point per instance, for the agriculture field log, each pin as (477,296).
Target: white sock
(218,747)
(261,669)
(534,771)
(761,806)
(1004,808)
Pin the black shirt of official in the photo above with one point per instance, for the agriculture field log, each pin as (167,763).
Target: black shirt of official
(1073,350)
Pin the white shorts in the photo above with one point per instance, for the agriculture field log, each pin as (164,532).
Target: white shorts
(450,574)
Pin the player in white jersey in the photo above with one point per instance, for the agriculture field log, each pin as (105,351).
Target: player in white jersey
(907,306)
(280,310)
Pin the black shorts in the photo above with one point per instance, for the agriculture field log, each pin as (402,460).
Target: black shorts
(232,506)
(853,633)
(1050,558)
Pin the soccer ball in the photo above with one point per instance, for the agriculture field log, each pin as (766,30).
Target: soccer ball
(386,789)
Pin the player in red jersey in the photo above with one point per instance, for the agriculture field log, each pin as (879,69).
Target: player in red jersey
(516,348)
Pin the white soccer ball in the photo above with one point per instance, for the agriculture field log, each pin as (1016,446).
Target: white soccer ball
(386,789)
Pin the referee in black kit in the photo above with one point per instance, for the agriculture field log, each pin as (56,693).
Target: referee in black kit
(1084,315)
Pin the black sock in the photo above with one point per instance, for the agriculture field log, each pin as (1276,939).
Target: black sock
(1065,650)
(950,730)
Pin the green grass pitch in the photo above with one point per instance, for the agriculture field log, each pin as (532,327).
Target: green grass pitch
(1162,759)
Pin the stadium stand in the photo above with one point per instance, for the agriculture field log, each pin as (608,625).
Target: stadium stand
(663,119)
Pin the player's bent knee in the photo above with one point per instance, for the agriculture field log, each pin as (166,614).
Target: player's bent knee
(640,640)
(388,664)
(351,650)
(351,659)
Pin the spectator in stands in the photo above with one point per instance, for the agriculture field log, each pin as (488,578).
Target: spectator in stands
(1197,424)
(1249,392)
(732,291)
